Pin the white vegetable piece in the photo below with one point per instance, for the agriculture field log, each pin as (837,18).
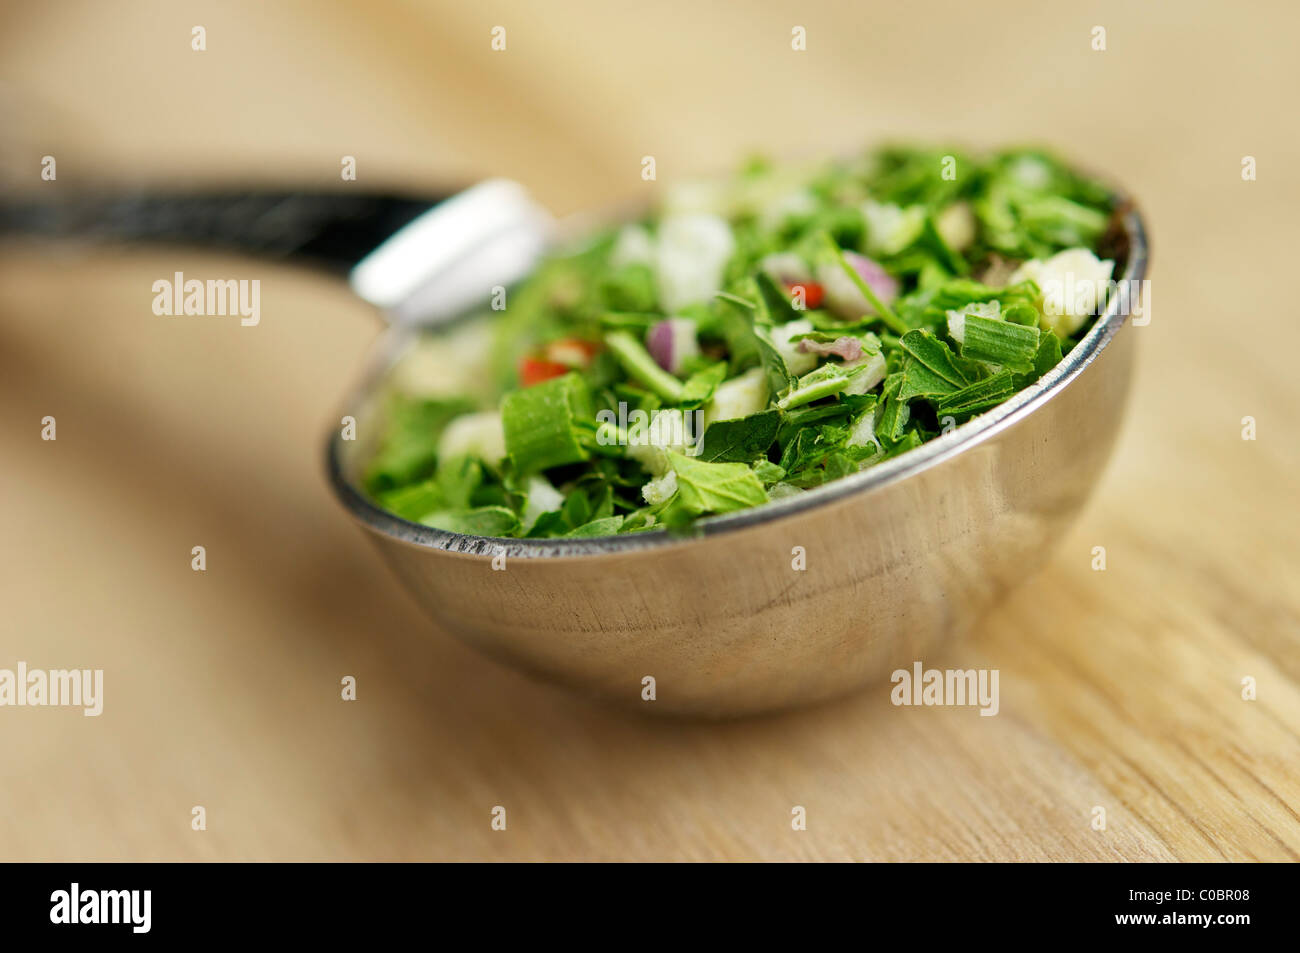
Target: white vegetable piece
(784,266)
(739,397)
(660,488)
(477,435)
(456,363)
(796,361)
(890,229)
(542,498)
(781,491)
(873,375)
(791,204)
(666,431)
(634,246)
(863,433)
(956,226)
(1031,172)
(1073,283)
(690,259)
(842,293)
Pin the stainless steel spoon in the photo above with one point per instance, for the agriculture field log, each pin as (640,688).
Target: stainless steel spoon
(897,560)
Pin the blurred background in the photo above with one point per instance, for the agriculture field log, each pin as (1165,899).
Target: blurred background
(1120,689)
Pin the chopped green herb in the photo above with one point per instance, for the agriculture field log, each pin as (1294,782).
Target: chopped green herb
(979,396)
(699,363)
(713,487)
(742,439)
(641,367)
(484,521)
(1000,342)
(540,423)
(826,380)
(935,356)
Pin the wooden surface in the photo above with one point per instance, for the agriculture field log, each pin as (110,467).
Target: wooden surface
(1120,689)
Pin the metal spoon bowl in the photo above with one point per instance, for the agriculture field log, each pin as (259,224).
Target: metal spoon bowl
(795,601)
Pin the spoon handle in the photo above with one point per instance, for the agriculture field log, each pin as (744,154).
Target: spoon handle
(332,230)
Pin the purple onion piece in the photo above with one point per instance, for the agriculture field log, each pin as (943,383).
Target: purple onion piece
(843,295)
(671,342)
(847,348)
(880,281)
(659,342)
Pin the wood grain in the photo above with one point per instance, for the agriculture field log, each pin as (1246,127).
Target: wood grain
(1120,689)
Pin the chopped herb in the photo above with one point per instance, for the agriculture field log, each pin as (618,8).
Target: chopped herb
(484,521)
(641,367)
(777,305)
(826,380)
(540,423)
(1000,342)
(700,386)
(935,356)
(663,372)
(740,440)
(713,487)
(896,413)
(979,396)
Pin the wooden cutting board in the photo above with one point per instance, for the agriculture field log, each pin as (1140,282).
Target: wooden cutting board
(1121,690)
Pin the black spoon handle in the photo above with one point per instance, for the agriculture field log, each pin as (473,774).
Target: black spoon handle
(334,230)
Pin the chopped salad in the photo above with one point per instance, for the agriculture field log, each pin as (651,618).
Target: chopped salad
(749,339)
